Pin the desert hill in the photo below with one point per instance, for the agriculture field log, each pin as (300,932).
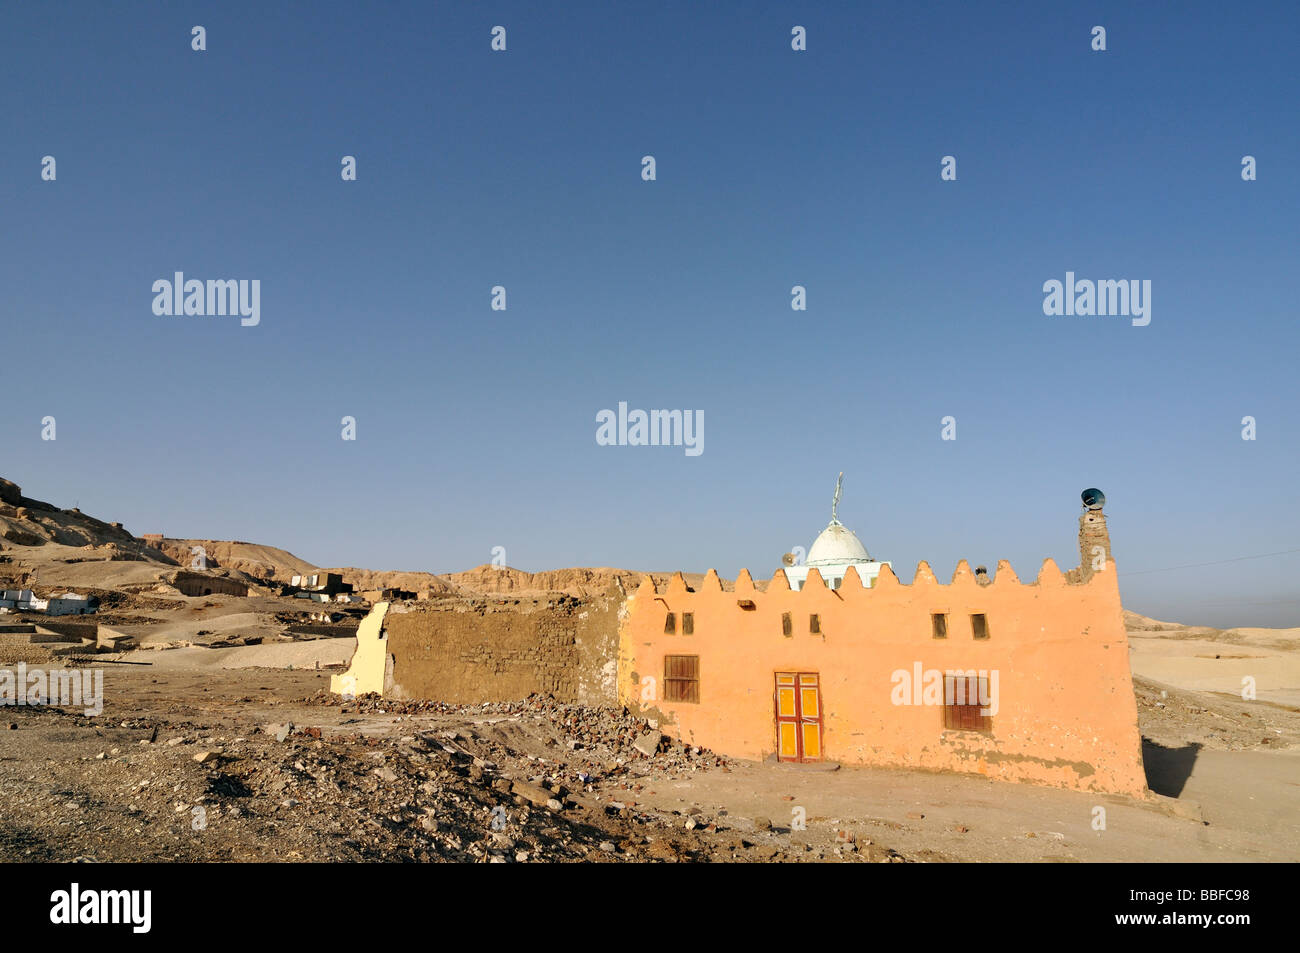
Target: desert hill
(488,579)
(252,559)
(44,546)
(505,581)
(268,562)
(1219,661)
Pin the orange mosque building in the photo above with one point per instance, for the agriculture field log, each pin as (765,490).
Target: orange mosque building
(1023,681)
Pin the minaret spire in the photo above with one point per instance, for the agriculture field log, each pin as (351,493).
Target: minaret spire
(835,503)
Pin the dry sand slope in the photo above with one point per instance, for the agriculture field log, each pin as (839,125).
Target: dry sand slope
(1217,660)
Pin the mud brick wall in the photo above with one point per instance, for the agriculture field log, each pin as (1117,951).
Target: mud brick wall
(1092,533)
(469,653)
(18,647)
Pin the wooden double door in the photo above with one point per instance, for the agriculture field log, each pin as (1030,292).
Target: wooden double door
(798,716)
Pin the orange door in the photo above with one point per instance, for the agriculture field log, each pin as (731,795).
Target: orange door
(798,716)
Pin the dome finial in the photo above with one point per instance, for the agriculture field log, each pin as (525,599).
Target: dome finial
(835,503)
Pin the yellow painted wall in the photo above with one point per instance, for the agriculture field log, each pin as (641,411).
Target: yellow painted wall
(366,673)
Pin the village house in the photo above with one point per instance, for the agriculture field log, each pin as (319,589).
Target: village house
(67,603)
(70,603)
(325,583)
(194,583)
(22,600)
(390,594)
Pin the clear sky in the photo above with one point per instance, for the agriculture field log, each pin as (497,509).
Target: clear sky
(477,428)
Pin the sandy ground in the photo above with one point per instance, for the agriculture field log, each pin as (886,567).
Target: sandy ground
(947,817)
(215,618)
(72,778)
(315,655)
(1224,770)
(1220,665)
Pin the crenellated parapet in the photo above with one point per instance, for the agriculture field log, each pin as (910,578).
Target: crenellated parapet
(924,579)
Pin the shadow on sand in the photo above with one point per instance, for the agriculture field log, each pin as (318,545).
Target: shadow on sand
(1168,769)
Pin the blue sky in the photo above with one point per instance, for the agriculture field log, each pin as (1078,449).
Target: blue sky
(476,428)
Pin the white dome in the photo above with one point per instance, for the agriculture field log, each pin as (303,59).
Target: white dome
(835,546)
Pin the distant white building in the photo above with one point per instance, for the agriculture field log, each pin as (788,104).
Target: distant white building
(22,600)
(70,604)
(833,552)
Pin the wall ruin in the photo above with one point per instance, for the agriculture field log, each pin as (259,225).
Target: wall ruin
(474,651)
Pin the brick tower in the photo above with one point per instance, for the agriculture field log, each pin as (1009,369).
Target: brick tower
(1094,538)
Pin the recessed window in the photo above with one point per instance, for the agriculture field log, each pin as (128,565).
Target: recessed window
(965,699)
(682,678)
(670,624)
(815,624)
(979,626)
(688,623)
(787,624)
(939,625)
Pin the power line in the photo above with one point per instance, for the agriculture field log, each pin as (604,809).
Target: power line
(1270,602)
(1217,562)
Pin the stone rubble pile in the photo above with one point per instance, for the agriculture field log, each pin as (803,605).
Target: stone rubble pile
(491,784)
(606,740)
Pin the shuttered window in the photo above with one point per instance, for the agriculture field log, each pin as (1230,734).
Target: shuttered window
(939,625)
(962,707)
(688,623)
(979,626)
(682,678)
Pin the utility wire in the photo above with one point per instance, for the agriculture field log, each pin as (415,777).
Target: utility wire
(1271,602)
(1143,572)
